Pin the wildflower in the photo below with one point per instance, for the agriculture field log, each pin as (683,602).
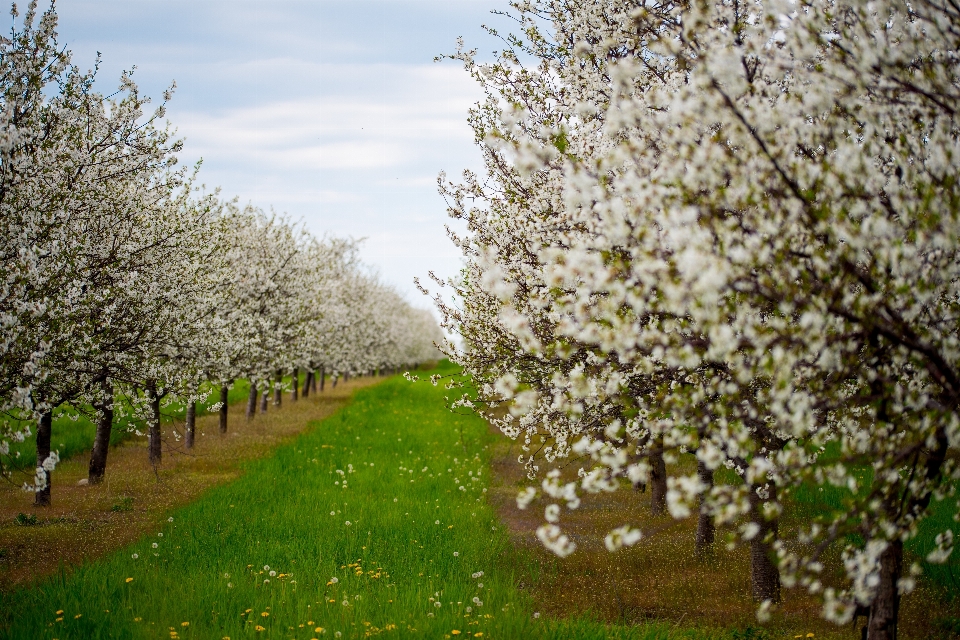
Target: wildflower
(318,630)
(536,614)
(346,603)
(170,519)
(394,499)
(273,573)
(456,554)
(265,614)
(437,522)
(347,523)
(259,628)
(266,580)
(135,556)
(436,604)
(160,535)
(455,632)
(229,585)
(469,609)
(183,624)
(266,567)
(154,545)
(60,612)
(337,634)
(128,580)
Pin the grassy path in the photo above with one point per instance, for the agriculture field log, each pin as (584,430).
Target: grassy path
(372,523)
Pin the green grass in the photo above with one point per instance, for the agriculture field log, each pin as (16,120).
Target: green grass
(415,539)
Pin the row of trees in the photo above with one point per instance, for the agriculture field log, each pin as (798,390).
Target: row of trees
(126,286)
(726,234)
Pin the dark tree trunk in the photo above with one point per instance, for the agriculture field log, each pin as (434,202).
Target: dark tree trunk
(252,401)
(295,384)
(264,400)
(658,480)
(346,376)
(307,381)
(224,400)
(334,380)
(882,623)
(44,432)
(764,574)
(101,440)
(705,528)
(190,425)
(153,434)
(323,377)
(278,389)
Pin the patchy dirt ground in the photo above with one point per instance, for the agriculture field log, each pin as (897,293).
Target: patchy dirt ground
(660,579)
(86,522)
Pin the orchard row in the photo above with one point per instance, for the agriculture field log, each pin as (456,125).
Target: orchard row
(126,286)
(725,237)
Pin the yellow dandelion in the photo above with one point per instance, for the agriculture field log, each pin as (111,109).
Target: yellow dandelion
(455,632)
(137,619)
(60,619)
(478,634)
(264,614)
(184,624)
(259,628)
(77,616)
(310,622)
(809,635)
(128,580)
(318,630)
(60,613)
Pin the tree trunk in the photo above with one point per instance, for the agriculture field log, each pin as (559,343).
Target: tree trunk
(224,398)
(346,377)
(884,611)
(334,380)
(323,377)
(101,441)
(296,384)
(153,434)
(278,388)
(252,401)
(190,425)
(658,480)
(307,381)
(264,400)
(44,432)
(764,574)
(705,528)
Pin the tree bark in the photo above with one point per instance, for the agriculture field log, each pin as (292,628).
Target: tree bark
(706,533)
(278,388)
(658,480)
(346,377)
(334,381)
(307,381)
(101,440)
(296,384)
(153,434)
(884,611)
(323,377)
(190,424)
(764,574)
(44,433)
(224,401)
(252,401)
(264,400)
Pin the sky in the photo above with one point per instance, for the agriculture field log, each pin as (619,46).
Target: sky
(331,111)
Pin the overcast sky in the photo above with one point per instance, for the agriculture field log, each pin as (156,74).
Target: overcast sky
(330,110)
